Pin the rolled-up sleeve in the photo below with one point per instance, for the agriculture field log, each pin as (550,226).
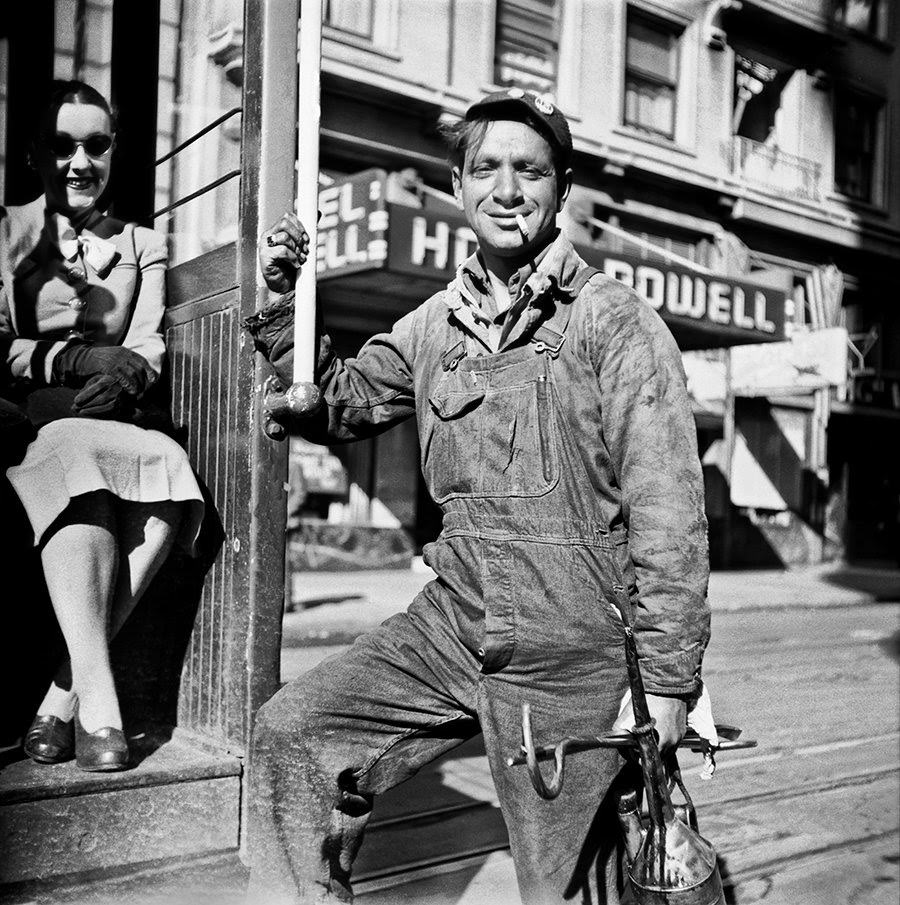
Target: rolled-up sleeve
(649,430)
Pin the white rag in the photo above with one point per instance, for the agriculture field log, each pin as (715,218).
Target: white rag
(699,718)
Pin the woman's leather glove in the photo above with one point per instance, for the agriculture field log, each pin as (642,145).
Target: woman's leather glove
(103,397)
(78,362)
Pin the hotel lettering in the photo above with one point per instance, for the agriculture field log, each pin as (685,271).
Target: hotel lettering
(683,294)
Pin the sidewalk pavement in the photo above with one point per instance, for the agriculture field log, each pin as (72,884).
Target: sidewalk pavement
(332,608)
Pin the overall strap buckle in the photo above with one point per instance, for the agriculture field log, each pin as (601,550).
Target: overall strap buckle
(548,340)
(453,356)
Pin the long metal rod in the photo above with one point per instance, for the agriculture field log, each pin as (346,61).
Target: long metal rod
(201,191)
(659,803)
(197,135)
(626,742)
(649,246)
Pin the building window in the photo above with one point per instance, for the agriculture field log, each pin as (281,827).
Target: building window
(527,44)
(352,16)
(856,132)
(869,16)
(651,74)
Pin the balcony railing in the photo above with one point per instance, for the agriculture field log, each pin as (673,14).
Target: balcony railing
(777,171)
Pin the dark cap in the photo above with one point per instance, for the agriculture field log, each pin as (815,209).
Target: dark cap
(553,124)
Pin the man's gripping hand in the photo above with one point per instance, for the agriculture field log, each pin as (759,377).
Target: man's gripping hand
(670,715)
(283,250)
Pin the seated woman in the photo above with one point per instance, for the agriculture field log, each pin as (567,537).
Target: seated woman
(81,307)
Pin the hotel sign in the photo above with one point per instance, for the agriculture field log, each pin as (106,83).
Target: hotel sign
(352,233)
(360,230)
(715,301)
(426,245)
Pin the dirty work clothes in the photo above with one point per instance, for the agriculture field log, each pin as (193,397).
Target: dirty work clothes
(364,721)
(566,467)
(617,384)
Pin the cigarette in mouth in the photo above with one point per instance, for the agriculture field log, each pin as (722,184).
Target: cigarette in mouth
(523,226)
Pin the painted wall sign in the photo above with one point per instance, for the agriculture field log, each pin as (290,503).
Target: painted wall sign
(807,361)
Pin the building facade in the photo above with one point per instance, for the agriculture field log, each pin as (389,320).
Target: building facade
(756,140)
(748,142)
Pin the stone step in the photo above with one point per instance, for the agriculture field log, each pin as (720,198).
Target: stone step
(180,799)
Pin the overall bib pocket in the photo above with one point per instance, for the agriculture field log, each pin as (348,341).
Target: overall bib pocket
(492,433)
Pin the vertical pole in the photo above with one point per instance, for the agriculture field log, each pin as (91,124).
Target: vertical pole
(728,433)
(268,147)
(267,180)
(819,463)
(307,202)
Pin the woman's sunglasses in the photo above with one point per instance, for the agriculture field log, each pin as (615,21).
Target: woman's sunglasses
(64,147)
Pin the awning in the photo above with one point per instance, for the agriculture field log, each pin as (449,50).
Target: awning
(379,247)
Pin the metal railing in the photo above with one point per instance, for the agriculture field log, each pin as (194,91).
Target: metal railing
(770,168)
(187,143)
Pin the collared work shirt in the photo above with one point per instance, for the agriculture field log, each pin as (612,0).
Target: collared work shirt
(474,286)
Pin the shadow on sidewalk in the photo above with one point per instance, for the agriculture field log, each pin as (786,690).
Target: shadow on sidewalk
(309,603)
(882,584)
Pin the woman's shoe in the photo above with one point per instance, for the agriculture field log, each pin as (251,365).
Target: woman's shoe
(50,740)
(102,751)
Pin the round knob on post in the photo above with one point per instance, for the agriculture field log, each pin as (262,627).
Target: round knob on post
(300,400)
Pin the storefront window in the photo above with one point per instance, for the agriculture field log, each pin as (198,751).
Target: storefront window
(198,125)
(651,75)
(527,44)
(856,129)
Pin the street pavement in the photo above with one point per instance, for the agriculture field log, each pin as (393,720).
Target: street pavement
(804,660)
(333,608)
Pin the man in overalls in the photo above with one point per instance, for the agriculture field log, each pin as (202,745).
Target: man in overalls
(557,437)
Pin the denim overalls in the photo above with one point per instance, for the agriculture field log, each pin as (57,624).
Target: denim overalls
(528,567)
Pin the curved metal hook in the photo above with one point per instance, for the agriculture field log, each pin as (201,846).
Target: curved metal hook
(550,790)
